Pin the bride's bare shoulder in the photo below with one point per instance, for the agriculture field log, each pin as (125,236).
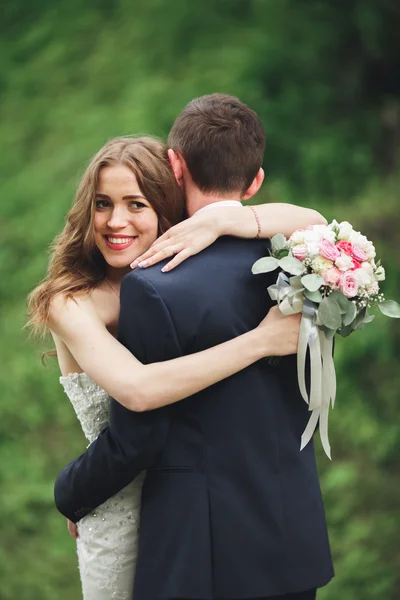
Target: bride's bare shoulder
(64,307)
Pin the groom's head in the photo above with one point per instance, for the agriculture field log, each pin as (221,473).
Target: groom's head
(218,143)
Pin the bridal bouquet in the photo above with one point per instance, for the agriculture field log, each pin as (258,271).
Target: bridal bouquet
(329,274)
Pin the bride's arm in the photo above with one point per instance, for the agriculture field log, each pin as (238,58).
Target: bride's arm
(145,387)
(201,230)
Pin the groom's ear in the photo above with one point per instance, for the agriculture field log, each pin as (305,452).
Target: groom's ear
(176,163)
(255,186)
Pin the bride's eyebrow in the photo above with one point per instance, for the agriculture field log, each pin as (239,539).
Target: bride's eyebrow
(129,197)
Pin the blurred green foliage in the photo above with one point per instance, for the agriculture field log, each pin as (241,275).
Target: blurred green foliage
(323,75)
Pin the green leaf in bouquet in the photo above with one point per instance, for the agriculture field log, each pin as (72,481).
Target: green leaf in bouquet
(329,333)
(295,281)
(329,313)
(358,322)
(345,330)
(368,318)
(341,299)
(312,282)
(281,253)
(390,308)
(313,296)
(278,242)
(265,265)
(291,265)
(349,317)
(294,291)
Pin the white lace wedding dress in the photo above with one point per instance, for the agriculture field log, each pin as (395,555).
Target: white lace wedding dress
(108,536)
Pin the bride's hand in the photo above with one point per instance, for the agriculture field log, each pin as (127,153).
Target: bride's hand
(184,240)
(73,529)
(283,332)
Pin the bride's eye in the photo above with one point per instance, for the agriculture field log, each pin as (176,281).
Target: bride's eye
(136,205)
(102,204)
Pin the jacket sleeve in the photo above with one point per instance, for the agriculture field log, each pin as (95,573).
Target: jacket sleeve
(132,441)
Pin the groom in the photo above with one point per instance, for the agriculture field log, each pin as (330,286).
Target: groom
(231,508)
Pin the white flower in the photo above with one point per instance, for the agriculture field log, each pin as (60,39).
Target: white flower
(320,264)
(297,237)
(344,262)
(360,240)
(364,278)
(345,230)
(379,274)
(367,267)
(313,248)
(370,250)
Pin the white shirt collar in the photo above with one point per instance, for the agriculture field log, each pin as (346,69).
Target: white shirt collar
(219,203)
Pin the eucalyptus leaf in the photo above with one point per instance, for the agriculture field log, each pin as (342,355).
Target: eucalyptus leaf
(265,265)
(278,241)
(329,333)
(295,281)
(368,318)
(291,265)
(390,308)
(329,314)
(294,291)
(341,299)
(351,314)
(313,296)
(345,331)
(358,322)
(312,282)
(281,253)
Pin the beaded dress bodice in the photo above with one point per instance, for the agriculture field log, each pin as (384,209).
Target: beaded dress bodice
(91,403)
(108,536)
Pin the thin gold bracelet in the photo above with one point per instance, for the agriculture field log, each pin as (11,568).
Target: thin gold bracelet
(253,210)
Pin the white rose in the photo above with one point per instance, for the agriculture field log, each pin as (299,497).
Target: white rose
(380,274)
(344,262)
(313,248)
(297,237)
(320,264)
(370,250)
(345,230)
(311,236)
(366,266)
(363,277)
(329,235)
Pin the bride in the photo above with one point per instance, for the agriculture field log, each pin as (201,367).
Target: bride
(127,198)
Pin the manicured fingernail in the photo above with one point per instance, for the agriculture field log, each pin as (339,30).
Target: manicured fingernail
(142,264)
(165,269)
(134,264)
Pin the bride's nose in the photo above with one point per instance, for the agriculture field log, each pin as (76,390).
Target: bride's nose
(118,218)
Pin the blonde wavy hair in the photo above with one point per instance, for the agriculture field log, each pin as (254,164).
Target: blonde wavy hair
(76,265)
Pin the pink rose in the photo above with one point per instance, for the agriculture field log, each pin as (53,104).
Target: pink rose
(349,284)
(359,254)
(356,264)
(300,251)
(331,276)
(347,247)
(328,250)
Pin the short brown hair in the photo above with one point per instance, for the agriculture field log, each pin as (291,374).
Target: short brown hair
(222,142)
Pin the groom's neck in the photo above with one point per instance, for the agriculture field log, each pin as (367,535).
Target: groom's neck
(196,199)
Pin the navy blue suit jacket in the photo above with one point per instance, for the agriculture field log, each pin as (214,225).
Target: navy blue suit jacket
(231,508)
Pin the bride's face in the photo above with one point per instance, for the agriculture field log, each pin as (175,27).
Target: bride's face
(125,224)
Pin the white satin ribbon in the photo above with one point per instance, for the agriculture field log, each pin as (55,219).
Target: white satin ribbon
(322,368)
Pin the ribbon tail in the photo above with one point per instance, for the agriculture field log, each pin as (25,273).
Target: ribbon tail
(305,326)
(310,428)
(328,386)
(316,373)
